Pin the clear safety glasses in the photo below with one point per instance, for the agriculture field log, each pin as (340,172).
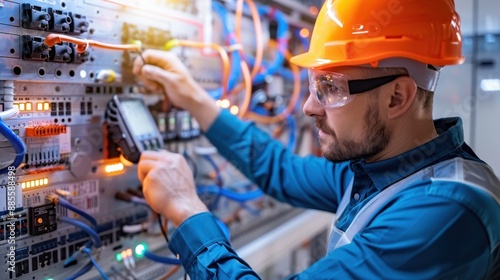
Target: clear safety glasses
(333,90)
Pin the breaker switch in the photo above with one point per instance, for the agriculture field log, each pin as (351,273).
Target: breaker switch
(60,21)
(35,17)
(79,23)
(62,52)
(34,49)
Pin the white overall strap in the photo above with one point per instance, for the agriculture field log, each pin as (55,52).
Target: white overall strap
(335,233)
(474,174)
(346,198)
(379,201)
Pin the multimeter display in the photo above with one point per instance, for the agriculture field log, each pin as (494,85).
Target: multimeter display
(132,127)
(138,118)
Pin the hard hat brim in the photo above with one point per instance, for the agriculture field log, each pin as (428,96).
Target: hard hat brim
(308,60)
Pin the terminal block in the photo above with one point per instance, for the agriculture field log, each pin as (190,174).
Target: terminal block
(79,23)
(45,130)
(35,17)
(62,52)
(60,21)
(34,49)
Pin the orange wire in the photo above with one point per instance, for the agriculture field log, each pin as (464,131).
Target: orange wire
(248,86)
(259,53)
(238,19)
(291,105)
(223,55)
(83,44)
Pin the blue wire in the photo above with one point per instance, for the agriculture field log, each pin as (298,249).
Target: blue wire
(239,197)
(96,265)
(16,142)
(82,271)
(214,165)
(161,259)
(281,36)
(63,202)
(92,233)
(230,34)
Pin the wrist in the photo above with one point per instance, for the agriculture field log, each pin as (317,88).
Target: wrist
(203,108)
(186,211)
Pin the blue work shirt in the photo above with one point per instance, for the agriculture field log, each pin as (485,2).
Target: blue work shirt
(432,231)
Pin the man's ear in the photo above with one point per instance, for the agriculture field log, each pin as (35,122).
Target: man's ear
(404,91)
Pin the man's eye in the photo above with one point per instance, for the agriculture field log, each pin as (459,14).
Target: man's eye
(328,87)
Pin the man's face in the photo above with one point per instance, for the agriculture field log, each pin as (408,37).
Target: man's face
(355,130)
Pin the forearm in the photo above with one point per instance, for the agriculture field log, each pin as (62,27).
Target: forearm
(202,107)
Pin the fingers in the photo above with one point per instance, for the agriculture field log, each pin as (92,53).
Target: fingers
(158,74)
(156,155)
(152,159)
(144,167)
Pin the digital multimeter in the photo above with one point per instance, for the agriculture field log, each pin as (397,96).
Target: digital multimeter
(132,127)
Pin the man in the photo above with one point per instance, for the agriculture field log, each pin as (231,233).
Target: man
(412,200)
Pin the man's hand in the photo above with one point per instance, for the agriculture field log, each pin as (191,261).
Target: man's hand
(164,72)
(168,186)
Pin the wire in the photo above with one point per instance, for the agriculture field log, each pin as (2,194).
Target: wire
(163,230)
(291,105)
(240,197)
(281,38)
(16,142)
(161,259)
(63,202)
(191,162)
(258,38)
(248,90)
(218,177)
(236,56)
(222,53)
(96,265)
(92,233)
(9,114)
(81,45)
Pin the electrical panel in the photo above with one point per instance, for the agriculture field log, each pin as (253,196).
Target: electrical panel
(61,91)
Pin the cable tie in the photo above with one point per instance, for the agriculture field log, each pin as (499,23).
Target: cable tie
(86,44)
(235,47)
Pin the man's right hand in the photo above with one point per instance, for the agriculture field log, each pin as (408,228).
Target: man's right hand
(164,72)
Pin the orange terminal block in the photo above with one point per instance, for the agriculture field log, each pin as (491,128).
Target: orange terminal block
(45,130)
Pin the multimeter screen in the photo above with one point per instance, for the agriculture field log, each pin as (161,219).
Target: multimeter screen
(137,115)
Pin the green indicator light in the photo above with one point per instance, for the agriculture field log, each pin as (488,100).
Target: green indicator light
(118,257)
(139,250)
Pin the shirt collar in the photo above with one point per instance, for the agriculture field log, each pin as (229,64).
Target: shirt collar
(386,172)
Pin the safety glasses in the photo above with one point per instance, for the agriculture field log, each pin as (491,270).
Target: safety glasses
(333,90)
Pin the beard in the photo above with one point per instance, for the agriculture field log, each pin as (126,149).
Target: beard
(374,140)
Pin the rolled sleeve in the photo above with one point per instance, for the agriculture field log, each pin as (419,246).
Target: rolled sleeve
(194,235)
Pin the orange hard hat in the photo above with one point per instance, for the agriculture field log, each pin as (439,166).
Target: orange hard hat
(360,32)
